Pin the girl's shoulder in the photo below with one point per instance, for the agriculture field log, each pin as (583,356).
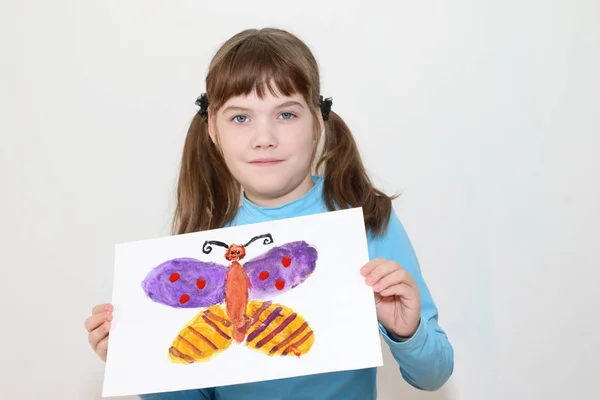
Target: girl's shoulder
(393,243)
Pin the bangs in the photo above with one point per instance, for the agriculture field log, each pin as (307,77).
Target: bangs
(257,64)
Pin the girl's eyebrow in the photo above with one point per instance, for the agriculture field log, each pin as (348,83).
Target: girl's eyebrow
(289,104)
(242,109)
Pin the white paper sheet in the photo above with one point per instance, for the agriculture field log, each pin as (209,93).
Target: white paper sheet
(334,300)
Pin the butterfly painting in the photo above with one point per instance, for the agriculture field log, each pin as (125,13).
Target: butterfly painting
(236,300)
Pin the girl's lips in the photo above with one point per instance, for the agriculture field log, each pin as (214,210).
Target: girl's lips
(265,161)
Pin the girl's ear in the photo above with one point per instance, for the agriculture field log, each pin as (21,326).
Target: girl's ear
(211,126)
(321,126)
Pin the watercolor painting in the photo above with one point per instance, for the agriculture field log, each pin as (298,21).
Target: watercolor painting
(236,300)
(241,304)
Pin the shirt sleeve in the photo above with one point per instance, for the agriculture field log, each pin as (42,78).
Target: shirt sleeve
(426,359)
(200,394)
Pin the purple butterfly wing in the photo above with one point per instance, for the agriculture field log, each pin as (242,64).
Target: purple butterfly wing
(280,269)
(186,283)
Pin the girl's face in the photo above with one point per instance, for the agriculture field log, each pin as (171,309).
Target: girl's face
(268,145)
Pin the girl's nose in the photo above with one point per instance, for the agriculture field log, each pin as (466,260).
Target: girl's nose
(264,137)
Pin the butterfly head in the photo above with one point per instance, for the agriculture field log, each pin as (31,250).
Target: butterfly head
(235,252)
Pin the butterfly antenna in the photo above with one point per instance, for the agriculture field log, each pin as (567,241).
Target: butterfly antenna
(207,248)
(267,236)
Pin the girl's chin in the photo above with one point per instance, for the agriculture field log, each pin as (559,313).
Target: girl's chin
(270,188)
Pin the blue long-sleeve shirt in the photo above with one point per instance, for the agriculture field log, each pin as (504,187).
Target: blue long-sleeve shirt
(425,360)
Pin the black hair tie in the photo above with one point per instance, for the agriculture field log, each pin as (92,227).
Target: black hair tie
(202,102)
(325,106)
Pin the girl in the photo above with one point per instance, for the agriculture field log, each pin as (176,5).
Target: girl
(249,157)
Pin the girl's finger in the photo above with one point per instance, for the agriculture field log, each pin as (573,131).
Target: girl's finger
(380,271)
(95,320)
(98,334)
(402,290)
(391,279)
(102,307)
(368,267)
(102,348)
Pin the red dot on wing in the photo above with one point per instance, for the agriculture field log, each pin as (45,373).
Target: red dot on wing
(263,275)
(286,261)
(200,283)
(279,284)
(184,298)
(174,277)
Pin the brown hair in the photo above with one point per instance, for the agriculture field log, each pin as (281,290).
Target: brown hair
(208,196)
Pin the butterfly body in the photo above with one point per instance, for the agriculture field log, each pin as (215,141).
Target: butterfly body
(236,299)
(237,286)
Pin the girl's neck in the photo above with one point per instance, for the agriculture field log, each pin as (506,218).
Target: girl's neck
(278,201)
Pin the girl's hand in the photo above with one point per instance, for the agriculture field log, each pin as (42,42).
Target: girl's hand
(98,326)
(397,297)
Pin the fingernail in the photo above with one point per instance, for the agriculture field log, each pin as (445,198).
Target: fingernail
(369,279)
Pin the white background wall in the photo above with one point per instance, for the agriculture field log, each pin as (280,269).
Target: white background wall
(486,115)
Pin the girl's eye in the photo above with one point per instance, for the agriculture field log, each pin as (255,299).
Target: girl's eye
(239,118)
(287,115)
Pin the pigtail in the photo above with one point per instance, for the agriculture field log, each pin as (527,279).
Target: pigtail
(346,183)
(207,194)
